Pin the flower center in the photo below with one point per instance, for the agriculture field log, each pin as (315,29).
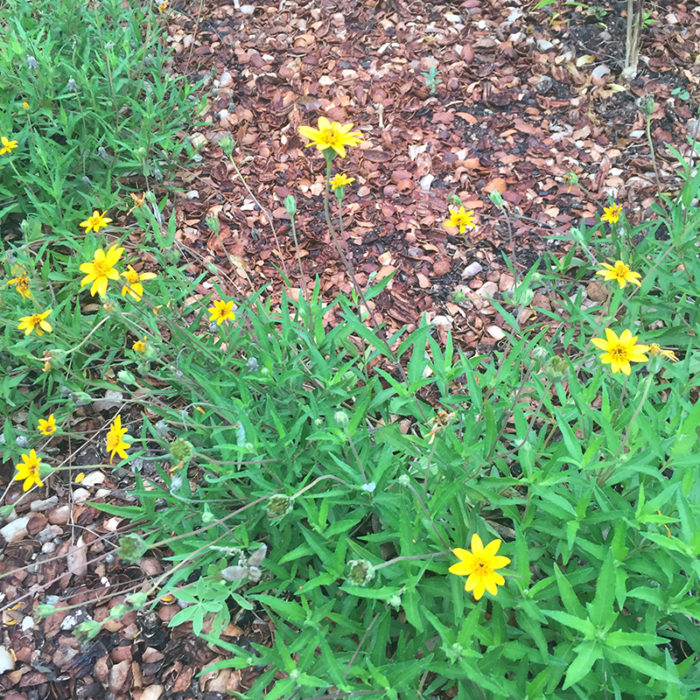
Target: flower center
(329,137)
(101,268)
(619,353)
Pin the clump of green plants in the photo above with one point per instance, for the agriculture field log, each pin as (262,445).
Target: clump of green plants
(414,519)
(432,79)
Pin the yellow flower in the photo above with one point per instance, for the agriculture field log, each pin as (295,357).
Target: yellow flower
(331,135)
(139,345)
(134,279)
(21,283)
(25,105)
(221,311)
(79,478)
(35,322)
(163,6)
(7,145)
(620,272)
(115,444)
(655,349)
(479,566)
(341,180)
(461,219)
(95,222)
(101,270)
(619,352)
(611,214)
(28,470)
(48,426)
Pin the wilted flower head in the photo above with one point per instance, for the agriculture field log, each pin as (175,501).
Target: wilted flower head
(360,572)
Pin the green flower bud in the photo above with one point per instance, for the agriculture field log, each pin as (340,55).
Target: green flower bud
(290,204)
(213,223)
(87,630)
(646,104)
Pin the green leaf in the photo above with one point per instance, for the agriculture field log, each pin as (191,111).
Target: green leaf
(585,655)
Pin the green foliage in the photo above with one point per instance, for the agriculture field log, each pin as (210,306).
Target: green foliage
(320,474)
(431,78)
(102,114)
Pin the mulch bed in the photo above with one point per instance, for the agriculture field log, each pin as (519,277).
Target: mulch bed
(525,98)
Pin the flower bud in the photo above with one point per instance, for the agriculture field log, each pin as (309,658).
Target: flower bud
(646,104)
(290,205)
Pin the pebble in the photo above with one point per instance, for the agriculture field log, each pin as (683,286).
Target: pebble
(192,194)
(38,506)
(471,270)
(7,662)
(80,495)
(226,79)
(93,478)
(60,515)
(488,289)
(496,332)
(16,530)
(49,532)
(247,9)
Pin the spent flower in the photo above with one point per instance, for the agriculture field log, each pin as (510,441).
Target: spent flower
(133,287)
(479,565)
(21,283)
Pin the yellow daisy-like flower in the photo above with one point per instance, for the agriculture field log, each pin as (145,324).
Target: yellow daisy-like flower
(134,287)
(25,105)
(331,135)
(480,566)
(461,219)
(140,345)
(21,283)
(48,426)
(621,273)
(35,322)
(619,352)
(611,214)
(101,270)
(341,180)
(95,222)
(28,471)
(656,349)
(115,443)
(7,145)
(221,311)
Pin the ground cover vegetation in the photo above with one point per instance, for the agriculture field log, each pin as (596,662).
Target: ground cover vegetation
(403,518)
